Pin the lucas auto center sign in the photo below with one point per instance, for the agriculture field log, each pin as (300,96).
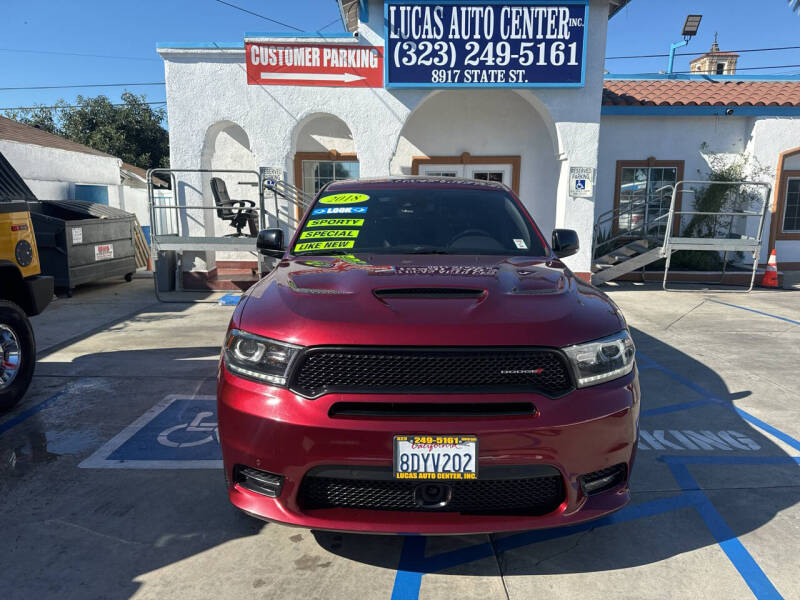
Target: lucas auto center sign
(517,43)
(490,44)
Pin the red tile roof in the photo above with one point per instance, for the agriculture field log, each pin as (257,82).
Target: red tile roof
(681,92)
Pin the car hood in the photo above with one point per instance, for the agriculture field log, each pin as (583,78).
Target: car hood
(427,300)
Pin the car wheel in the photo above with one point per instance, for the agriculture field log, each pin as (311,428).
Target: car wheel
(17,354)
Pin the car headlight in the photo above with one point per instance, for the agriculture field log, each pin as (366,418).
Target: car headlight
(259,358)
(602,360)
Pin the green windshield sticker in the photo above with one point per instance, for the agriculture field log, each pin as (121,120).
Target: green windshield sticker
(329,233)
(335,223)
(332,245)
(344,199)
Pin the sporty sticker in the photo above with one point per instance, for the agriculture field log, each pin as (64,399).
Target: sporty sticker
(335,223)
(520,244)
(344,199)
(323,245)
(339,210)
(329,233)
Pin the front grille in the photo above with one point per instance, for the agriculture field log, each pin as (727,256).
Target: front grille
(430,370)
(394,410)
(516,496)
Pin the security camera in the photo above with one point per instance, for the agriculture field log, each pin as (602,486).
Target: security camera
(728,112)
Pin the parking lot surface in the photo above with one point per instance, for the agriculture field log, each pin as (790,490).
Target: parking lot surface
(111,482)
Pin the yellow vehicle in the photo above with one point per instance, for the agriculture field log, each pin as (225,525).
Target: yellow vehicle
(24,292)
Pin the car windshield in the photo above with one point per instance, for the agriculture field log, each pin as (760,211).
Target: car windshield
(419,220)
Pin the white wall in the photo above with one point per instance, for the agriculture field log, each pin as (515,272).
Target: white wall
(273,115)
(51,173)
(692,139)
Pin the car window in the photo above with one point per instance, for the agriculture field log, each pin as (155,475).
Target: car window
(417,221)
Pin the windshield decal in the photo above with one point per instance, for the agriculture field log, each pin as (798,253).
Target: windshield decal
(349,198)
(335,210)
(520,244)
(335,223)
(323,245)
(329,233)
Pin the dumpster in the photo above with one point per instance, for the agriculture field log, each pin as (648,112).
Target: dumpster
(80,242)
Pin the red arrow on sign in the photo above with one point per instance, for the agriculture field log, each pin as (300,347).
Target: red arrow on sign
(314,65)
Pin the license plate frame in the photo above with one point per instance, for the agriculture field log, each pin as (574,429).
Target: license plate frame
(466,445)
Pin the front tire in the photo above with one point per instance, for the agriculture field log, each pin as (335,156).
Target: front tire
(17,354)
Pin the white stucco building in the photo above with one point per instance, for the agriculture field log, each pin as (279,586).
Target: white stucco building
(56,168)
(529,137)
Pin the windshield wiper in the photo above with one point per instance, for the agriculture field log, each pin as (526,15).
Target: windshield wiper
(425,250)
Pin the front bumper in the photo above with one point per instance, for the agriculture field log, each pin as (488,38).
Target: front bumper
(274,430)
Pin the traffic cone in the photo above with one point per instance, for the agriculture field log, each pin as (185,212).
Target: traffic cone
(770,278)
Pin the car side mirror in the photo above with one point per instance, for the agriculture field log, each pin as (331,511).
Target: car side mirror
(270,242)
(565,242)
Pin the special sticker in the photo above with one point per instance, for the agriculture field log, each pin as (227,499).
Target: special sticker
(329,233)
(344,199)
(335,223)
(332,245)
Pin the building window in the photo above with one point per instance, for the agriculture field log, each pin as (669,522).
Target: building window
(317,173)
(720,68)
(92,193)
(791,210)
(643,194)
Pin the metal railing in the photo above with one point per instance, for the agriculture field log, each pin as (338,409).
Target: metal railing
(731,243)
(178,239)
(668,232)
(649,227)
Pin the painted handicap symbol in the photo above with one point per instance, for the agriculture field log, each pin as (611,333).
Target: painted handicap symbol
(179,432)
(196,426)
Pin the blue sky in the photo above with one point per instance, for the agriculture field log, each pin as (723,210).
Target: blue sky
(131,30)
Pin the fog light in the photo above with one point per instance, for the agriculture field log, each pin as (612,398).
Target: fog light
(260,482)
(604,479)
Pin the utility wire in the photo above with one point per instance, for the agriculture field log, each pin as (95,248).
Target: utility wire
(255,14)
(88,85)
(77,54)
(69,106)
(701,53)
(324,27)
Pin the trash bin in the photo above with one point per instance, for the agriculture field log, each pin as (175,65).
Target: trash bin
(80,242)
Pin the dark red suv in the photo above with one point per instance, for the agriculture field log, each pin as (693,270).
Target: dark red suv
(420,360)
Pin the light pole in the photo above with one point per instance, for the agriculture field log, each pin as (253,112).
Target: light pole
(690,28)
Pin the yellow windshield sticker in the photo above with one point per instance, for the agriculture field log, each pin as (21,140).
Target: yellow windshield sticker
(332,245)
(344,199)
(329,233)
(335,223)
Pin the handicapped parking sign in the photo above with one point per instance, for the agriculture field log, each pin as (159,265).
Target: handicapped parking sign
(179,432)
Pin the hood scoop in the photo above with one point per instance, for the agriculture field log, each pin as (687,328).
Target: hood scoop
(429,292)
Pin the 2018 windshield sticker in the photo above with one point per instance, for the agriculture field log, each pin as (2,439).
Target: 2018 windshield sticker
(339,210)
(335,223)
(329,233)
(323,245)
(520,244)
(344,199)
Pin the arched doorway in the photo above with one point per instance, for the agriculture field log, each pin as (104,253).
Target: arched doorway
(483,134)
(324,152)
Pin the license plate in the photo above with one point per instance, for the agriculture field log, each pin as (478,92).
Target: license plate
(436,457)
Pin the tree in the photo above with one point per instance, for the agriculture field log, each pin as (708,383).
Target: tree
(132,131)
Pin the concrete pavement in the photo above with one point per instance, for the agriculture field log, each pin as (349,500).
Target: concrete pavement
(94,507)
